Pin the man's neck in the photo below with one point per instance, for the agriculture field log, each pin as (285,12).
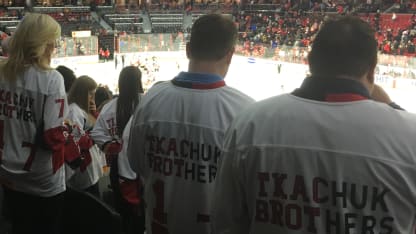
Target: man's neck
(210,67)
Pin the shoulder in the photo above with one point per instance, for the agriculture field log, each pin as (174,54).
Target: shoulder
(238,94)
(257,111)
(50,80)
(76,110)
(48,74)
(56,80)
(110,107)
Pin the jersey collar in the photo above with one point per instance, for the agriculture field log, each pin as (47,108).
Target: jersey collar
(198,80)
(332,90)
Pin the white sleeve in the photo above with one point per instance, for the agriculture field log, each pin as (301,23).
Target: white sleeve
(229,211)
(76,116)
(101,131)
(136,145)
(124,168)
(55,109)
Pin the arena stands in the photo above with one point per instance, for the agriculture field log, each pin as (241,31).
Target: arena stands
(129,22)
(267,29)
(166,22)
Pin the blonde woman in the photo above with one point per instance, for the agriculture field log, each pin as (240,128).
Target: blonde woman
(81,98)
(33,107)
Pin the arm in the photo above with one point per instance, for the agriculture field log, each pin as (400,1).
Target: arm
(135,147)
(104,133)
(78,118)
(124,168)
(54,113)
(101,132)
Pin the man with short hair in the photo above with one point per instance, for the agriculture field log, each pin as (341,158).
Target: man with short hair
(178,129)
(325,158)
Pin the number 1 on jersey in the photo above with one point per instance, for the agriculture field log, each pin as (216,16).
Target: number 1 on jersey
(159,216)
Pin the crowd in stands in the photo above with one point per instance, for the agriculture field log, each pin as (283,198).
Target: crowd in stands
(91,138)
(262,30)
(396,34)
(266,28)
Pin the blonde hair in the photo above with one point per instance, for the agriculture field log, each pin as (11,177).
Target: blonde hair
(31,44)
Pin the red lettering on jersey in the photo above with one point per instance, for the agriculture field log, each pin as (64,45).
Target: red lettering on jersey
(159,216)
(55,139)
(61,109)
(172,147)
(263,177)
(312,212)
(293,216)
(159,145)
(315,191)
(184,143)
(111,126)
(299,188)
(278,183)
(31,157)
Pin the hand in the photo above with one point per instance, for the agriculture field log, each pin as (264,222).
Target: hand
(379,94)
(72,154)
(112,148)
(92,107)
(85,142)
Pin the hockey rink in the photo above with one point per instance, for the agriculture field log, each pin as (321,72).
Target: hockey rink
(255,77)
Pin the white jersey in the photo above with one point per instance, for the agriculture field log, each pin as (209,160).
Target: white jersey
(175,144)
(294,165)
(24,166)
(105,130)
(79,178)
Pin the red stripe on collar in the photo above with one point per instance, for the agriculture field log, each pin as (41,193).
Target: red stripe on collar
(191,85)
(214,85)
(344,97)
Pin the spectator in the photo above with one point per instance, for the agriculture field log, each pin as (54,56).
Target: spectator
(69,76)
(102,96)
(107,133)
(106,55)
(187,116)
(32,174)
(326,158)
(81,105)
